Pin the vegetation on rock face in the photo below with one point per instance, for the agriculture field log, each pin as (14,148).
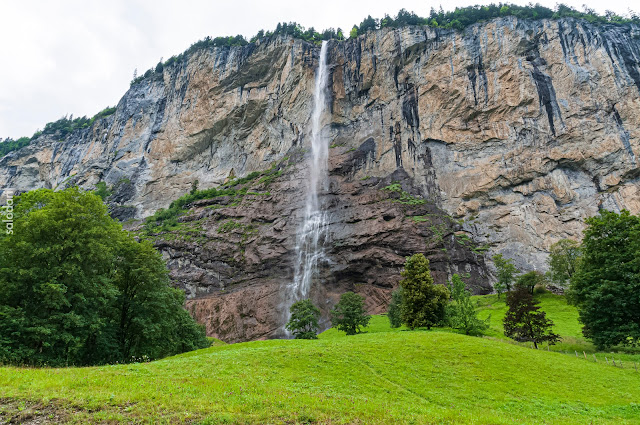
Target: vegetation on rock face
(606,285)
(75,289)
(349,315)
(164,219)
(525,321)
(424,302)
(303,323)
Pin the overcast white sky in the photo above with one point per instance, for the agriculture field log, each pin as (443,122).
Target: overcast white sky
(78,56)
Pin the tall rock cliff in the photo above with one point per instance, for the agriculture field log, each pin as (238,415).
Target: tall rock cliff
(501,138)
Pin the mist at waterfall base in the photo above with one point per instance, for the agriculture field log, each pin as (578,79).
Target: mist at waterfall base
(312,234)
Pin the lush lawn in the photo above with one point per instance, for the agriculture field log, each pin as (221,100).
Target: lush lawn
(378,377)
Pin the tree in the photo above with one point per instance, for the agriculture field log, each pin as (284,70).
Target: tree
(525,321)
(606,286)
(530,280)
(564,256)
(76,289)
(506,271)
(395,309)
(349,314)
(424,303)
(304,320)
(354,32)
(461,311)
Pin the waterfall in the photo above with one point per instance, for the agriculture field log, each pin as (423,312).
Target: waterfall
(312,233)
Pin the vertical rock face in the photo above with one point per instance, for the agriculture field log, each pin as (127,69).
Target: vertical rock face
(502,138)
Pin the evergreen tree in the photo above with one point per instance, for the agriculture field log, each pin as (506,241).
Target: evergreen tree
(350,314)
(395,309)
(461,311)
(424,303)
(606,285)
(304,320)
(525,322)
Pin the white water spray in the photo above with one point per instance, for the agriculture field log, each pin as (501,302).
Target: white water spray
(312,234)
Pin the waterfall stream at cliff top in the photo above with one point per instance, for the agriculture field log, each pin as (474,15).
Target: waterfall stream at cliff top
(312,233)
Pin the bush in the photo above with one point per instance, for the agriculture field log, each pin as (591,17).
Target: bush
(349,314)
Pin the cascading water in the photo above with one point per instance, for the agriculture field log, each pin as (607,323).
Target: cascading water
(312,233)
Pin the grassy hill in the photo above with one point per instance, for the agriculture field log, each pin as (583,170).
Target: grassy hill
(381,377)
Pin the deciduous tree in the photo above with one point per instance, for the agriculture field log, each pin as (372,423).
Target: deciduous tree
(525,322)
(349,315)
(304,320)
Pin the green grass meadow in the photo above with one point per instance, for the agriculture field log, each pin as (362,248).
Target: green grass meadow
(382,376)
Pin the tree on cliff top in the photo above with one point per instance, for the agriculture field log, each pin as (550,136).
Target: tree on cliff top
(75,289)
(349,314)
(304,320)
(423,302)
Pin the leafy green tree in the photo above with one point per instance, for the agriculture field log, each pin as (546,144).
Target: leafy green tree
(76,289)
(461,311)
(506,271)
(564,256)
(500,288)
(395,309)
(424,303)
(606,286)
(354,32)
(349,314)
(151,320)
(304,320)
(525,322)
(530,280)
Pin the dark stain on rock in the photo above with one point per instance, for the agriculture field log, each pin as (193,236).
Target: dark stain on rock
(410,108)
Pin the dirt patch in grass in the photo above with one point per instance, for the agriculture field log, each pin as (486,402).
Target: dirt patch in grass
(23,412)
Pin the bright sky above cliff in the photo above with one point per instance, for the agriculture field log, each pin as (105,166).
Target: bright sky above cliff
(77,57)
